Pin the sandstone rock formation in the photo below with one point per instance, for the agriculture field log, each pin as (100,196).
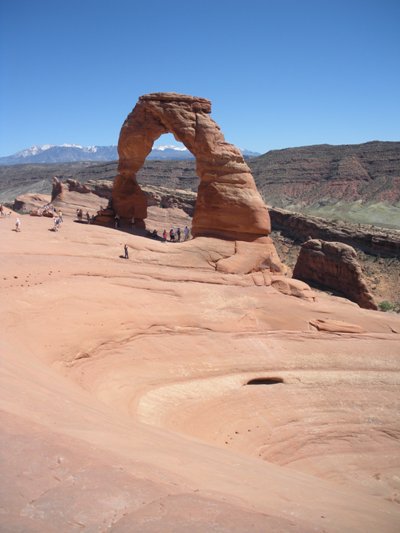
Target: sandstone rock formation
(70,185)
(155,196)
(30,202)
(101,188)
(334,265)
(228,204)
(71,195)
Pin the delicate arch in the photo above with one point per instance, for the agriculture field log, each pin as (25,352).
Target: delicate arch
(228,203)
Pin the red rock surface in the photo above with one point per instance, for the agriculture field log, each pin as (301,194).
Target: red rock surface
(71,195)
(228,203)
(333,265)
(29,202)
(161,394)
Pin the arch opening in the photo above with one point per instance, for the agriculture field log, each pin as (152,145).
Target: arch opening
(168,147)
(168,179)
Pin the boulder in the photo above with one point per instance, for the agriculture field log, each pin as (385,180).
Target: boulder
(30,203)
(333,265)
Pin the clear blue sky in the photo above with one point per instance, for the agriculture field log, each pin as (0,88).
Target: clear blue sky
(279,73)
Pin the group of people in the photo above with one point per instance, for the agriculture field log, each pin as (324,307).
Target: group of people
(57,216)
(57,221)
(175,236)
(47,210)
(80,216)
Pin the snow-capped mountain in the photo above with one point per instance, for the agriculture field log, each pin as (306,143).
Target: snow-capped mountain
(67,153)
(64,153)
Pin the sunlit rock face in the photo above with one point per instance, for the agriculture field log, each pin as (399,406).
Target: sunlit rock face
(334,265)
(228,203)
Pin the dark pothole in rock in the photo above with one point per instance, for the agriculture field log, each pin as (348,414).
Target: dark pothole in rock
(265,381)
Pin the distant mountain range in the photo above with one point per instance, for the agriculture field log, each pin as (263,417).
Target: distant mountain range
(70,153)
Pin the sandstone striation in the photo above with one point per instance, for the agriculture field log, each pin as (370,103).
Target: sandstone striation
(311,174)
(333,265)
(228,203)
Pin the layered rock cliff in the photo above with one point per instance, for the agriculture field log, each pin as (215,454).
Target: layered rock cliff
(371,240)
(358,183)
(367,172)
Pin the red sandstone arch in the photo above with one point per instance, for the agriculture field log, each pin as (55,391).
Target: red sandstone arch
(228,203)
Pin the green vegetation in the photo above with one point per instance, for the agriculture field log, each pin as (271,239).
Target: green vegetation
(386,306)
(379,213)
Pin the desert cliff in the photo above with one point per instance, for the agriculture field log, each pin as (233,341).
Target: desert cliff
(358,183)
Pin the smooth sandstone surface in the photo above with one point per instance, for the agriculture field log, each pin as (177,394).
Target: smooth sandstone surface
(162,393)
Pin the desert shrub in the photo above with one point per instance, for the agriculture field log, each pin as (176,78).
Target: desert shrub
(386,306)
